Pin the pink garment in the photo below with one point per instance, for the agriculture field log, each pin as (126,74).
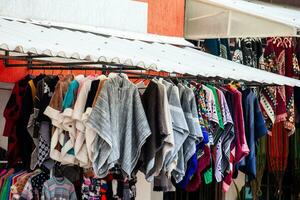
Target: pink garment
(203,163)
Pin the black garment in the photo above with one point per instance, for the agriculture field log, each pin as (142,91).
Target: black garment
(153,103)
(73,174)
(2,154)
(229,99)
(92,93)
(38,181)
(45,89)
(125,189)
(252,51)
(26,142)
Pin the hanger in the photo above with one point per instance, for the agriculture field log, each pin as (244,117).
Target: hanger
(278,41)
(235,84)
(287,41)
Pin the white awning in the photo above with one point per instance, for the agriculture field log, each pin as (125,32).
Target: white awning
(239,18)
(25,37)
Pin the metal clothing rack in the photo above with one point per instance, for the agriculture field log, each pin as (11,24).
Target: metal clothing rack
(107,67)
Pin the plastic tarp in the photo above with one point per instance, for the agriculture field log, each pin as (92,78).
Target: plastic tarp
(239,18)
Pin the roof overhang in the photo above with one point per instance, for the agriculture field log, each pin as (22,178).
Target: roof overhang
(28,38)
(239,18)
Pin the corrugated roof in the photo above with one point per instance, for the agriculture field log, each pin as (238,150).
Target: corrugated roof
(25,37)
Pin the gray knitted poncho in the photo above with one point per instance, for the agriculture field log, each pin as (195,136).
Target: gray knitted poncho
(121,125)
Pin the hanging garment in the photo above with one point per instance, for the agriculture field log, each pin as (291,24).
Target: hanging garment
(34,186)
(241,147)
(169,142)
(44,145)
(58,188)
(277,160)
(202,138)
(5,189)
(225,49)
(252,51)
(237,55)
(222,146)
(12,115)
(153,100)
(193,172)
(39,124)
(14,181)
(26,143)
(291,70)
(203,163)
(46,89)
(174,160)
(213,117)
(80,147)
(121,125)
(212,46)
(53,111)
(294,151)
(68,124)
(255,128)
(261,161)
(22,181)
(189,108)
(90,134)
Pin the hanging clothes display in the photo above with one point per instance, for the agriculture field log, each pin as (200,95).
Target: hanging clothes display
(278,55)
(281,59)
(179,133)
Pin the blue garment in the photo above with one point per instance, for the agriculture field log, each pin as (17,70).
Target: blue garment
(191,169)
(70,95)
(212,46)
(255,128)
(205,137)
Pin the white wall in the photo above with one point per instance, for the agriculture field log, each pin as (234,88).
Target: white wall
(5,91)
(240,182)
(145,189)
(117,14)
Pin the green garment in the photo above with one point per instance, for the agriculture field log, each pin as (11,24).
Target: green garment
(6,188)
(218,107)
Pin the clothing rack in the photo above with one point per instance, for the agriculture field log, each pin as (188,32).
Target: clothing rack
(108,67)
(134,73)
(5,162)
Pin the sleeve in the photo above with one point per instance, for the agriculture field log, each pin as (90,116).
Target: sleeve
(27,191)
(99,121)
(80,101)
(53,109)
(45,192)
(194,112)
(73,194)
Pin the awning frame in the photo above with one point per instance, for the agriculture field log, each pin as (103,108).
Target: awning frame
(107,67)
(204,18)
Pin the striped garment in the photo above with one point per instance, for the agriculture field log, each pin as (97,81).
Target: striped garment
(222,160)
(59,189)
(121,125)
